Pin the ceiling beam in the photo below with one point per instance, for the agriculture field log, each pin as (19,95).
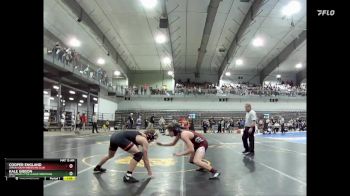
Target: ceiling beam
(282,56)
(165,15)
(301,75)
(249,17)
(209,22)
(85,19)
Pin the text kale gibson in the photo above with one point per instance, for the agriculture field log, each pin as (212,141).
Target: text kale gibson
(20,171)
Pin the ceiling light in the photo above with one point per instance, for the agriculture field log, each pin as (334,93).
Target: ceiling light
(74,42)
(160,38)
(149,3)
(299,65)
(71,98)
(291,8)
(95,99)
(228,74)
(257,42)
(56,87)
(170,73)
(45,93)
(81,101)
(278,76)
(79,104)
(239,62)
(63,104)
(166,60)
(101,61)
(85,96)
(51,98)
(72,92)
(117,73)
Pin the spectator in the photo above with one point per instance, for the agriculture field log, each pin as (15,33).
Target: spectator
(232,126)
(130,121)
(282,124)
(107,125)
(219,126)
(205,125)
(94,123)
(63,120)
(191,125)
(151,121)
(161,123)
(222,125)
(276,127)
(241,123)
(146,123)
(138,123)
(211,123)
(56,49)
(83,120)
(77,123)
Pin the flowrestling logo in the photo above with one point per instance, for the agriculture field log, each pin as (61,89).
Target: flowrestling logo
(325,12)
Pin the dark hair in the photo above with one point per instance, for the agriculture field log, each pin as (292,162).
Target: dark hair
(151,134)
(174,127)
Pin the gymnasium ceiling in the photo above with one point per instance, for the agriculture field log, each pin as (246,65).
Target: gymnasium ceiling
(132,28)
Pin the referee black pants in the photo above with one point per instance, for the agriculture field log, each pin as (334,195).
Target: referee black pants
(246,135)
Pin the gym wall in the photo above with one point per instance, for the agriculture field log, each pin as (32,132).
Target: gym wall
(204,77)
(154,79)
(212,104)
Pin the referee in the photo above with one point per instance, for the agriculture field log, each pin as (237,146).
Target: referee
(249,129)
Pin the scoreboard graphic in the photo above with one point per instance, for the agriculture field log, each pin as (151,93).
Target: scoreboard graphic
(35,169)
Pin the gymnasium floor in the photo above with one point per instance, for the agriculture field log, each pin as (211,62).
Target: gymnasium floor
(278,168)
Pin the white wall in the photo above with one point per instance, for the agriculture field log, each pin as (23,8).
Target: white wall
(284,77)
(72,106)
(204,77)
(119,82)
(211,104)
(251,76)
(155,79)
(46,99)
(107,108)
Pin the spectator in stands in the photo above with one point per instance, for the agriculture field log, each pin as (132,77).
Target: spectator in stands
(94,123)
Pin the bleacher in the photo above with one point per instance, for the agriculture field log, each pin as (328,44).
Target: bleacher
(122,116)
